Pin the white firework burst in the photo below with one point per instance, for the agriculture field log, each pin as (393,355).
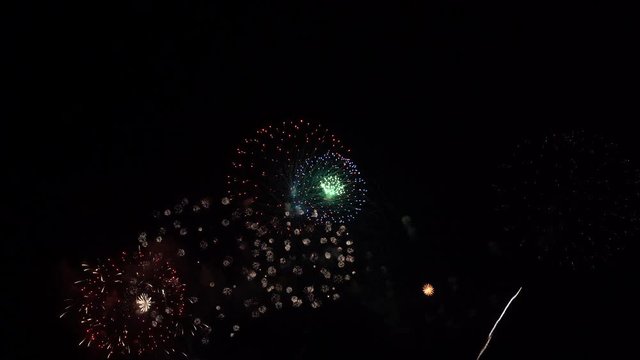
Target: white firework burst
(143,301)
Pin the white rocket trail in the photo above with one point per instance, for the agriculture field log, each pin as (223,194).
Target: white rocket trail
(496,324)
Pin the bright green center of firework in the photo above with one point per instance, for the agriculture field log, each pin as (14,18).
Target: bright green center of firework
(331,186)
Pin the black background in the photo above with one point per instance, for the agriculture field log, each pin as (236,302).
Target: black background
(119,108)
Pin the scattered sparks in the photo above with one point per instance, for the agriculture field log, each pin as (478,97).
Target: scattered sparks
(570,199)
(295,261)
(117,313)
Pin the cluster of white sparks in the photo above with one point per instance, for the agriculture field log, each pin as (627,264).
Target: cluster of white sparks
(143,301)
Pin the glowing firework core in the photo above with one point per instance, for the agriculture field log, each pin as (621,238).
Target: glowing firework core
(144,303)
(331,186)
(428,289)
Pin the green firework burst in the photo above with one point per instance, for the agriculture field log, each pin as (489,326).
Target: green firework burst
(328,187)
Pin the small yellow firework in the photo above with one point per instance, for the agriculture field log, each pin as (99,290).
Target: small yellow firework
(428,289)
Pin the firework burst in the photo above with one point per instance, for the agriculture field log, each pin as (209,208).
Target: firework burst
(328,188)
(265,166)
(131,304)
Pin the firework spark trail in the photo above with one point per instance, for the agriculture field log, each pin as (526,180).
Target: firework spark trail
(496,324)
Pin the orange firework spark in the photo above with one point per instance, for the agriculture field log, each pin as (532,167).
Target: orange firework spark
(428,289)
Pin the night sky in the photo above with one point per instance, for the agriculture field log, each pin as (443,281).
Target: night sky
(118,109)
